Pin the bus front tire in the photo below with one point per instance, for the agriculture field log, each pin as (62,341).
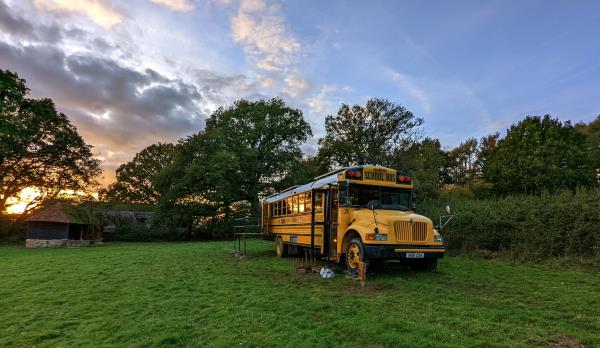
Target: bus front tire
(355,252)
(280,248)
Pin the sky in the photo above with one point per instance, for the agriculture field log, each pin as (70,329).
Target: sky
(132,73)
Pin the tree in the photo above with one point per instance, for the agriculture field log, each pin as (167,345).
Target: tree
(39,147)
(487,145)
(592,133)
(462,166)
(463,170)
(373,133)
(136,179)
(539,153)
(303,172)
(243,152)
(425,163)
(12,127)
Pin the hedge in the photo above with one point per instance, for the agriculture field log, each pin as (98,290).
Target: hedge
(563,224)
(12,228)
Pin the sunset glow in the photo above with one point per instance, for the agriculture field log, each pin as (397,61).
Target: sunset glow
(17,205)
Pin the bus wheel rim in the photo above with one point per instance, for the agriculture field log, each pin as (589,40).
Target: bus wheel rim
(353,256)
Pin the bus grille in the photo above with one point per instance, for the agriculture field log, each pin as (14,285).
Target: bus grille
(407,232)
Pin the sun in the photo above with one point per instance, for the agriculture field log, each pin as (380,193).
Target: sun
(18,204)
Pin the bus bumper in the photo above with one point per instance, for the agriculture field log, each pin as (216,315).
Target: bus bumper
(400,251)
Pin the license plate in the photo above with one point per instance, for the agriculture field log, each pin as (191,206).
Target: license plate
(415,255)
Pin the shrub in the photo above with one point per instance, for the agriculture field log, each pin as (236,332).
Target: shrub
(12,227)
(534,227)
(145,233)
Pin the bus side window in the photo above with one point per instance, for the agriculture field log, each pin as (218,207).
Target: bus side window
(301,203)
(334,205)
(307,202)
(283,207)
(295,204)
(319,203)
(288,203)
(272,209)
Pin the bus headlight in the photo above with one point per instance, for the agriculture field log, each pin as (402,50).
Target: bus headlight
(376,236)
(438,238)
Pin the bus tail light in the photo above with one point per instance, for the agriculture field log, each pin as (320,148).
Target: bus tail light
(403,179)
(354,173)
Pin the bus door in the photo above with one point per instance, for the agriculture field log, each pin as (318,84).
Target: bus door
(331,224)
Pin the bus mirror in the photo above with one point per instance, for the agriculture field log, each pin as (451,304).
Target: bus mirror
(343,195)
(448,210)
(343,185)
(343,192)
(374,204)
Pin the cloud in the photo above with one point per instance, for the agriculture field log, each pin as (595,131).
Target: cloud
(19,27)
(115,108)
(267,81)
(100,12)
(295,85)
(176,5)
(14,24)
(412,89)
(252,5)
(261,30)
(103,82)
(322,100)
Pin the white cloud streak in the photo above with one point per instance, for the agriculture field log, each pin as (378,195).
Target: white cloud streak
(100,12)
(268,44)
(412,89)
(175,5)
(262,32)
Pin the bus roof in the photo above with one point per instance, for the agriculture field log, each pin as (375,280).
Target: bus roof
(319,182)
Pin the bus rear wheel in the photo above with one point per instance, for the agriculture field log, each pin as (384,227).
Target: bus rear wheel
(280,248)
(355,253)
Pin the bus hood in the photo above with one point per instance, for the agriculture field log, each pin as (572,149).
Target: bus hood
(400,226)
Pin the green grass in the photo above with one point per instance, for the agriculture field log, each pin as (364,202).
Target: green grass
(197,294)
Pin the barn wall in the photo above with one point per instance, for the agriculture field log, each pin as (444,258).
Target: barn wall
(47,230)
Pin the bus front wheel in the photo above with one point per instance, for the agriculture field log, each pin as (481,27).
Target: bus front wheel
(355,253)
(280,248)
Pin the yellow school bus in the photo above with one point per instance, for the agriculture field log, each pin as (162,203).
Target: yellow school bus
(360,213)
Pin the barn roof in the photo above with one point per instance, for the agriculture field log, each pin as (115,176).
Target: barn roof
(57,213)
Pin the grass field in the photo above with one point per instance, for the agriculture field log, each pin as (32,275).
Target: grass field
(196,294)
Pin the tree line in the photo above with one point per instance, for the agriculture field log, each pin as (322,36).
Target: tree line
(251,149)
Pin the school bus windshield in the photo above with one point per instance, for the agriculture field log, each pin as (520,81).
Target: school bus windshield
(393,198)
